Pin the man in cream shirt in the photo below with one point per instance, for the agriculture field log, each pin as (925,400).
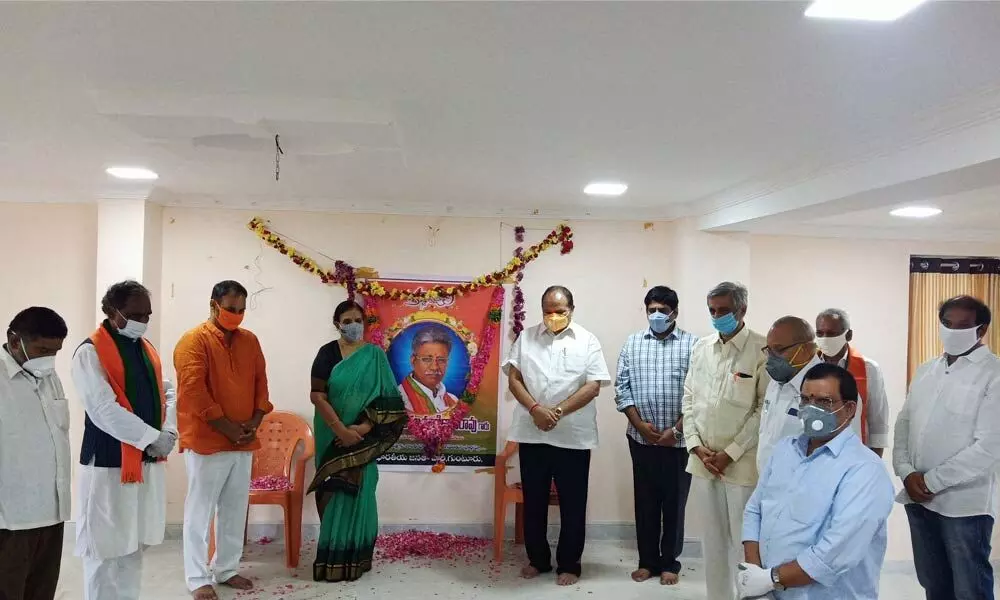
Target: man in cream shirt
(721,408)
(791,352)
(34,456)
(555,372)
(946,450)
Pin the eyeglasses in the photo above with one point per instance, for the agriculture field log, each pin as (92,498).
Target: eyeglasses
(430,360)
(826,403)
(778,351)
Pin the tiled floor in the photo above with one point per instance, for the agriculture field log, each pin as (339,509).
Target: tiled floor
(607,566)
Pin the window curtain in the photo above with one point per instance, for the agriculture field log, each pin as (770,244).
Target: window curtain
(935,279)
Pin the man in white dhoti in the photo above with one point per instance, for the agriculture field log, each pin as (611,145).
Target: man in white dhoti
(129,430)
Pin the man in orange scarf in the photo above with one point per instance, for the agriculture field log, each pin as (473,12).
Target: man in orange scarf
(129,430)
(833,337)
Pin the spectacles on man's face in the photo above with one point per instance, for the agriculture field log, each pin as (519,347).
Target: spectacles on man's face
(767,350)
(825,402)
(431,360)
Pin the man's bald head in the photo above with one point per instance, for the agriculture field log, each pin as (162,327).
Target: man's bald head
(788,333)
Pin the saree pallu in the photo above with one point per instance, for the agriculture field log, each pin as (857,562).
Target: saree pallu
(361,389)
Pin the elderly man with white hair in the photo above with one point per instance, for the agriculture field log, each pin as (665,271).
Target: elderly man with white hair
(833,337)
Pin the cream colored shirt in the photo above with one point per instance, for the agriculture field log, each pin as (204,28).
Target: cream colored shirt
(34,448)
(723,394)
(949,430)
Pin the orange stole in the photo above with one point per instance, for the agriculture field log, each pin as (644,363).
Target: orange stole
(421,404)
(856,367)
(111,360)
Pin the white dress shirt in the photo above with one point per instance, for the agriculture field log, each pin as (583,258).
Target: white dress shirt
(878,405)
(554,367)
(780,416)
(118,519)
(439,397)
(34,448)
(949,430)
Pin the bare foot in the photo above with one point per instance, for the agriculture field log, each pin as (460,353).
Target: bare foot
(238,582)
(530,572)
(567,579)
(640,575)
(205,592)
(669,578)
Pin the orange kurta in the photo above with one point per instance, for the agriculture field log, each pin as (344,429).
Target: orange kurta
(216,380)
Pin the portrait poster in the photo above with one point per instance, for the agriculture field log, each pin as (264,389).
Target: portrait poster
(431,345)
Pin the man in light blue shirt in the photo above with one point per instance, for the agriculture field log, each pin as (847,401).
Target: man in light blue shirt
(815,527)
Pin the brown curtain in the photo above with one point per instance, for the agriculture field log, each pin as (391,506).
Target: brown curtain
(935,279)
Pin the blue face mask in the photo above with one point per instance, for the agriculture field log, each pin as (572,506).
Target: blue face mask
(726,324)
(352,332)
(819,423)
(659,322)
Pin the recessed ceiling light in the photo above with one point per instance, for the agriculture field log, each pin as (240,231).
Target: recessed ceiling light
(862,10)
(916,212)
(137,173)
(605,188)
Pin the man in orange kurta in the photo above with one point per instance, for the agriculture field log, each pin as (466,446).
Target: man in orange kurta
(221,399)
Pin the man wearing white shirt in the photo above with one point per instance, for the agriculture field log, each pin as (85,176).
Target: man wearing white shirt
(834,336)
(423,390)
(34,456)
(555,371)
(130,428)
(791,352)
(946,450)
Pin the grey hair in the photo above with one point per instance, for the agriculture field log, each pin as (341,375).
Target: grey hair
(737,291)
(839,314)
(432,334)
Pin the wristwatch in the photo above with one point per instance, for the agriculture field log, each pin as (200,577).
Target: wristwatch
(559,411)
(678,435)
(776,580)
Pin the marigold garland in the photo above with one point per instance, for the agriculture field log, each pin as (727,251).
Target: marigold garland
(355,281)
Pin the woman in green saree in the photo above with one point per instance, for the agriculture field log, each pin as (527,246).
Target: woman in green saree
(359,416)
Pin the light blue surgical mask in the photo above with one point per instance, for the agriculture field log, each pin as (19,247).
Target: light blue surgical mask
(659,322)
(352,332)
(726,324)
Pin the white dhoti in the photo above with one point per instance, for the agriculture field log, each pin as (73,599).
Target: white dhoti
(219,486)
(115,523)
(722,532)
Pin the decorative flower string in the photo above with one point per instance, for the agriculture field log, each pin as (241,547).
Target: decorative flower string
(356,282)
(517,324)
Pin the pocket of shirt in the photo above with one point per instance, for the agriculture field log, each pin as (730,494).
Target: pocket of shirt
(808,508)
(60,413)
(964,401)
(742,391)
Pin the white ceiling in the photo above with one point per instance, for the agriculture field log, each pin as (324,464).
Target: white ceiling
(743,115)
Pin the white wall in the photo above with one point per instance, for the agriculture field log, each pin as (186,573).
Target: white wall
(608,271)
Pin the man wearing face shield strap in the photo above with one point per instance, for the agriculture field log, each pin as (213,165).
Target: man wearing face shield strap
(946,450)
(833,336)
(790,352)
(34,456)
(129,430)
(815,527)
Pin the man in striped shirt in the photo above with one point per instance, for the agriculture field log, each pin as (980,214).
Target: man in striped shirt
(650,385)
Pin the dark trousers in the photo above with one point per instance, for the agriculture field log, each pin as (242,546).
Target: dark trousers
(29,563)
(661,484)
(542,464)
(951,554)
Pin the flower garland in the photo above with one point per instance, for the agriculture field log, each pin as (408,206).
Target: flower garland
(435,432)
(517,325)
(361,281)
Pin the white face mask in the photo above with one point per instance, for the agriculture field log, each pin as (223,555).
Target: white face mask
(831,346)
(958,341)
(133,329)
(39,367)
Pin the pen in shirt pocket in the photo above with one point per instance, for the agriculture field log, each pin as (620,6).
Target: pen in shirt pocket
(737,376)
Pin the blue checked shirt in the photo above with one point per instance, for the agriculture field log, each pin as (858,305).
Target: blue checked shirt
(651,376)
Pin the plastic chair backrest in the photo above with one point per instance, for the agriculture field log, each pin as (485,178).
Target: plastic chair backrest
(279,434)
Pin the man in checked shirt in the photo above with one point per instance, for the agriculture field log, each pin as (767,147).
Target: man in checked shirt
(650,385)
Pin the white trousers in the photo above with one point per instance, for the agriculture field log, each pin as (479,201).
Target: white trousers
(219,486)
(722,507)
(112,578)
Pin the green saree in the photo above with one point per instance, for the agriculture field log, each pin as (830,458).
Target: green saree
(361,388)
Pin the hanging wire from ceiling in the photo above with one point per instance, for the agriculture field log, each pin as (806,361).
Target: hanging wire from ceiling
(278,152)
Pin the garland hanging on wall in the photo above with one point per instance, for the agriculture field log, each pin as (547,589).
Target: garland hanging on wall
(362,281)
